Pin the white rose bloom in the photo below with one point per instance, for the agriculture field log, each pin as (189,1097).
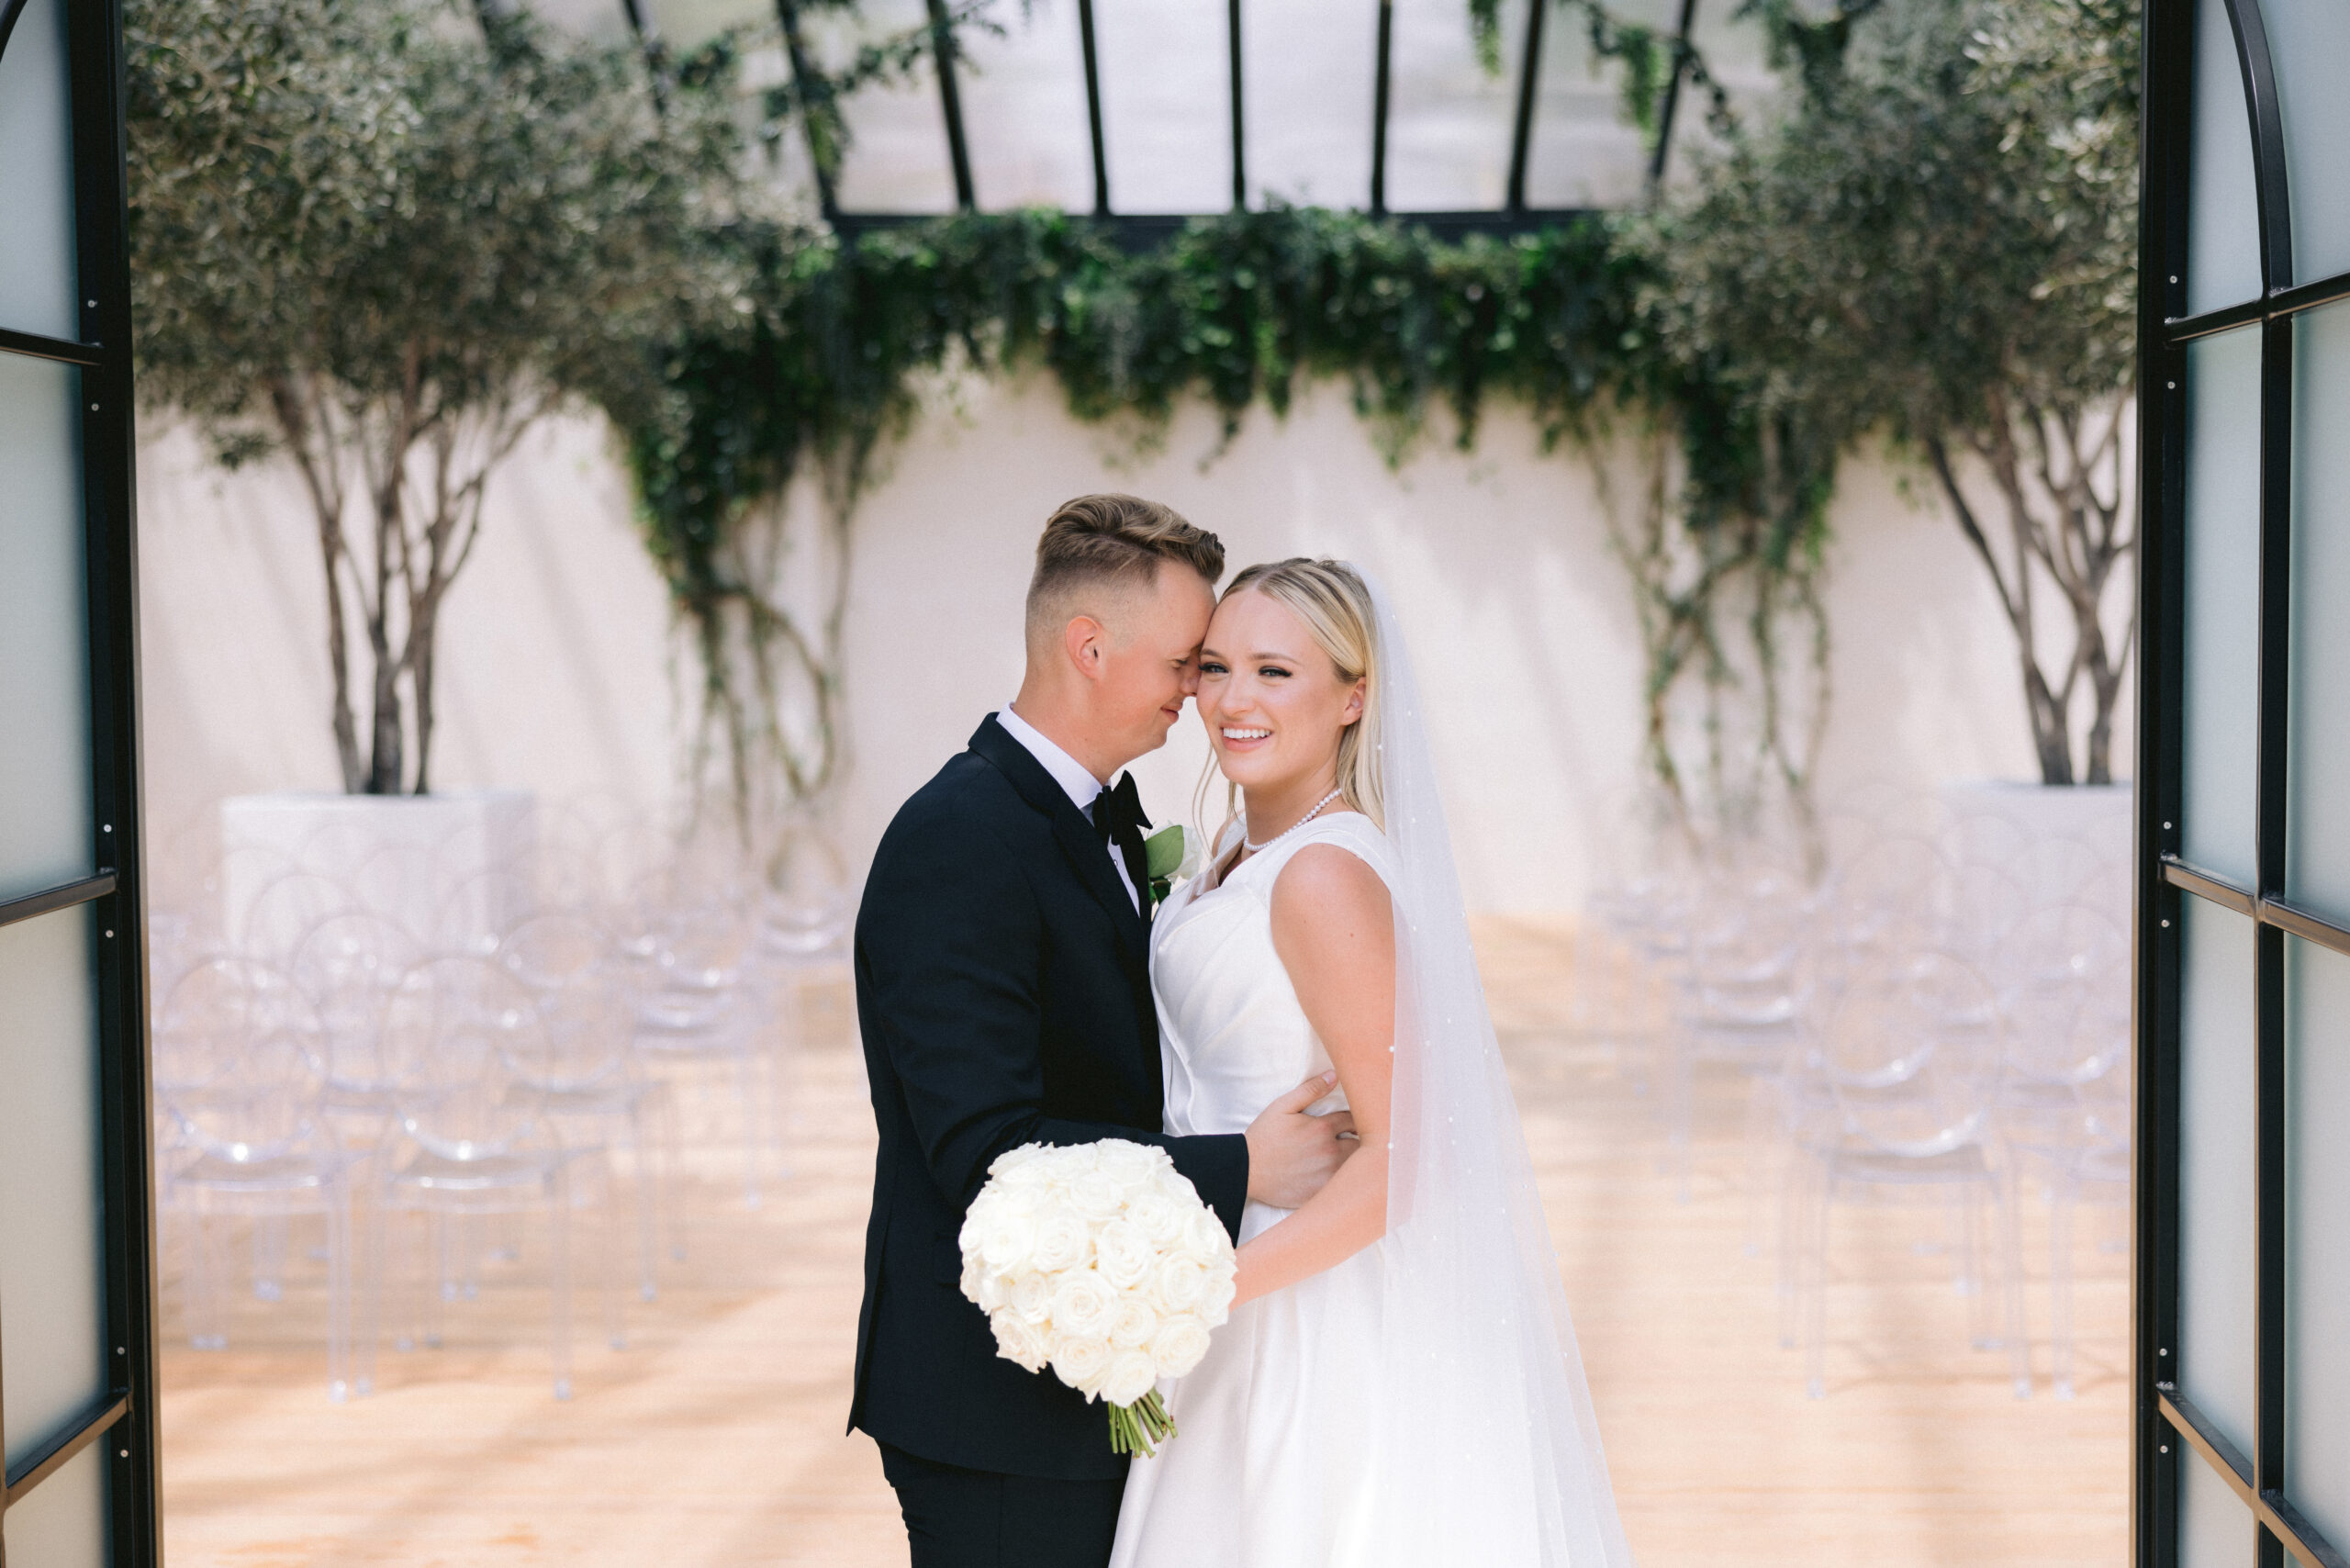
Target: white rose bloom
(1130,1165)
(1178,1186)
(1122,1253)
(1018,1341)
(1006,1242)
(1011,1159)
(1032,1297)
(1080,1363)
(1158,1216)
(1128,1377)
(1063,1241)
(990,1291)
(1097,1195)
(1215,1300)
(1134,1322)
(1083,1305)
(1181,1342)
(1177,1285)
(1204,1236)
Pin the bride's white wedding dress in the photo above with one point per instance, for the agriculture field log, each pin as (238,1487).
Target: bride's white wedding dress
(1270,1463)
(1422,1404)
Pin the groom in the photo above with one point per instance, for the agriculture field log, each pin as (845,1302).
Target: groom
(1004,989)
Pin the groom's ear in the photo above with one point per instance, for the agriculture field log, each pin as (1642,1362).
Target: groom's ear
(1084,640)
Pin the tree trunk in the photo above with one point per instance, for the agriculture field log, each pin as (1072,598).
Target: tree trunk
(295,422)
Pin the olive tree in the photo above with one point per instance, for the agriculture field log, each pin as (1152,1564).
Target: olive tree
(1936,244)
(377,240)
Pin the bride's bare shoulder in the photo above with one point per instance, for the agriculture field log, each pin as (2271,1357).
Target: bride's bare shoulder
(1330,889)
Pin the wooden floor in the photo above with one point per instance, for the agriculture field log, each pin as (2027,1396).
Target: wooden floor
(715,1436)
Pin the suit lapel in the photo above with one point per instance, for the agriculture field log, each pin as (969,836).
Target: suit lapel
(1088,857)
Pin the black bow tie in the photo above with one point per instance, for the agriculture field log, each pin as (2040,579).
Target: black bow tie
(1119,818)
(1117,812)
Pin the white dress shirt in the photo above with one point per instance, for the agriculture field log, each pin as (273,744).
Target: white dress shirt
(1073,777)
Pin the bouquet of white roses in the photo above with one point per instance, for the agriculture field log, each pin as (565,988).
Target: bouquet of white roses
(1100,1261)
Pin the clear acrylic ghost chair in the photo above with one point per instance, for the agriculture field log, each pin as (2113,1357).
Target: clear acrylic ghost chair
(1909,1062)
(476,909)
(696,1002)
(284,912)
(352,965)
(2065,998)
(2063,980)
(2096,1170)
(478,1145)
(240,1068)
(585,1069)
(1741,998)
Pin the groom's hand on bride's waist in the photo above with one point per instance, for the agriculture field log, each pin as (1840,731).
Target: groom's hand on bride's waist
(1293,1152)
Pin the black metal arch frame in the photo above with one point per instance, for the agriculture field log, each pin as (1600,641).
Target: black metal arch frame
(123,1415)
(2167,1424)
(1514,217)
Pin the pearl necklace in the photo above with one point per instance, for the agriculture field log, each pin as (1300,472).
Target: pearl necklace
(1258,848)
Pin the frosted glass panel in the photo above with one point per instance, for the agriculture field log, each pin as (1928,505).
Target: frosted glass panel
(37,267)
(1166,105)
(2309,40)
(2317,793)
(1586,151)
(2224,213)
(1024,110)
(2317,1208)
(45,829)
(51,1370)
(2215,1531)
(61,1523)
(2223,599)
(2215,1166)
(1308,76)
(1448,119)
(897,159)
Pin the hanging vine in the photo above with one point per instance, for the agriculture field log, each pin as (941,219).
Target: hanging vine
(825,348)
(1672,334)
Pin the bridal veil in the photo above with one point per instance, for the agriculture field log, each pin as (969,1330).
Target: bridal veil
(1487,1454)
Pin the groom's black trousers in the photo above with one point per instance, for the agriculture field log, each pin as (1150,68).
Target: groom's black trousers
(975,1518)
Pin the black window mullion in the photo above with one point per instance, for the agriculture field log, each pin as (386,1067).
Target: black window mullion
(1094,108)
(93,41)
(1671,105)
(2269,856)
(2166,129)
(807,87)
(943,47)
(1239,124)
(1382,72)
(1529,77)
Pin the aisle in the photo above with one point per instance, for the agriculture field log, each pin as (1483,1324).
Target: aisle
(715,1438)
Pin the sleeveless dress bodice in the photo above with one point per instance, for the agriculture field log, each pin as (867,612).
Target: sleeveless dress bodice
(1269,1465)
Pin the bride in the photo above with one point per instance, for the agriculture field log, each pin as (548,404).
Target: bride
(1398,1386)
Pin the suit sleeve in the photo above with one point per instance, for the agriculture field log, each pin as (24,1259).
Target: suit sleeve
(952,944)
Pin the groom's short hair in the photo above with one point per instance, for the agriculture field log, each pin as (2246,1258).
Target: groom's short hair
(1116,541)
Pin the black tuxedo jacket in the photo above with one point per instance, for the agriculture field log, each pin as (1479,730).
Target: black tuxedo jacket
(1003,990)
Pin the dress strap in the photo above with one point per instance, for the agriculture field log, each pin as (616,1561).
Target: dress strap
(1350,831)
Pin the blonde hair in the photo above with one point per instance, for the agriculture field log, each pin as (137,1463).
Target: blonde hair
(1335,604)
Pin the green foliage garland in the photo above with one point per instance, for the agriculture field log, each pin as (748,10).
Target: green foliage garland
(822,357)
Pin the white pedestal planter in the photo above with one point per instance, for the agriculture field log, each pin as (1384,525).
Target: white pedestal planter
(2046,823)
(451,869)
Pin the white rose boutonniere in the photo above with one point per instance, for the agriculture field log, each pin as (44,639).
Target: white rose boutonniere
(1169,855)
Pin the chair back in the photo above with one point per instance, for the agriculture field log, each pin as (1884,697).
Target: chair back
(586,999)
(239,1061)
(1912,1056)
(454,1028)
(349,965)
(2063,977)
